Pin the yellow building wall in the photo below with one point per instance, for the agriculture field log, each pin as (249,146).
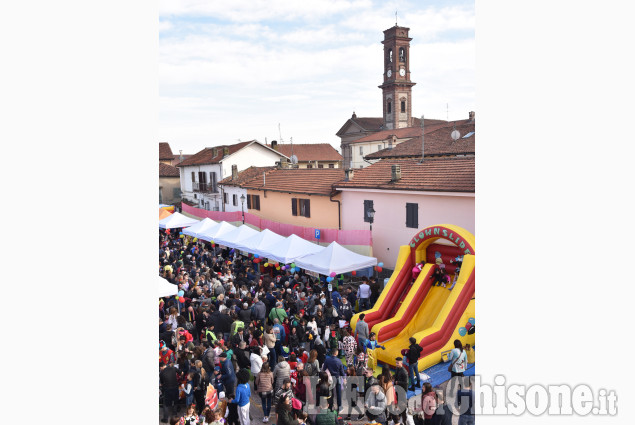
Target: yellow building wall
(276,206)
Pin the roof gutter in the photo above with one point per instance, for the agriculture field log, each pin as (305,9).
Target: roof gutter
(339,209)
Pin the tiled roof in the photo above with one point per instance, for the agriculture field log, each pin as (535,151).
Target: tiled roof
(177,160)
(165,152)
(206,156)
(310,151)
(454,174)
(408,132)
(166,170)
(314,181)
(437,142)
(367,123)
(245,176)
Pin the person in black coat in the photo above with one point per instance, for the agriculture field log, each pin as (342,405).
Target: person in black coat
(413,363)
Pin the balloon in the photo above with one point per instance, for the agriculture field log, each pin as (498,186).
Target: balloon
(354,273)
(181,299)
(293,265)
(256,255)
(278,268)
(266,264)
(333,274)
(277,264)
(329,279)
(180,233)
(256,260)
(181,293)
(167,231)
(194,240)
(213,244)
(381,264)
(379,269)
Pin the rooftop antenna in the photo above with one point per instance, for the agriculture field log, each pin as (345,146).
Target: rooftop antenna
(396,18)
(296,161)
(422,141)
(447,112)
(280,133)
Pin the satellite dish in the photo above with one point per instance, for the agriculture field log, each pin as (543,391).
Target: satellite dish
(294,159)
(455,135)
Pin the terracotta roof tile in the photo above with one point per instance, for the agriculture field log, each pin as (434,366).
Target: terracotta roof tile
(310,151)
(437,142)
(165,152)
(166,170)
(314,181)
(366,123)
(206,156)
(455,174)
(408,132)
(245,176)
(178,159)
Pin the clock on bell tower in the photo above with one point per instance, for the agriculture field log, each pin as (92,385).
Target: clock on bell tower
(397,87)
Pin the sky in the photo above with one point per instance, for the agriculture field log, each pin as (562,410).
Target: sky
(297,70)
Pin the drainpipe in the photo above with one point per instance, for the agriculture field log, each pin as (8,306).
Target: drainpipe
(339,206)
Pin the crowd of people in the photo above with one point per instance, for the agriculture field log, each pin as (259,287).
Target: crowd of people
(241,328)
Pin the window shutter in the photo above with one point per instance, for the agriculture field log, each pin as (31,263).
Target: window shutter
(248,202)
(307,207)
(412,215)
(367,206)
(294,206)
(193,177)
(257,202)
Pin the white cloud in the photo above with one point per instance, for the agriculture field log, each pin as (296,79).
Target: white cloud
(225,80)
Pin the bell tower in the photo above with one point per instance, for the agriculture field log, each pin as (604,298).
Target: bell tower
(397,87)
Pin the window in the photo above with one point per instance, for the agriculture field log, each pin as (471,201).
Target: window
(367,206)
(212,178)
(389,55)
(331,165)
(301,207)
(225,198)
(403,106)
(235,200)
(253,202)
(402,54)
(193,177)
(412,215)
(389,107)
(379,147)
(361,150)
(320,165)
(176,192)
(309,166)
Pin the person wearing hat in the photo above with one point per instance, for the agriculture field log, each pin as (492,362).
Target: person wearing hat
(228,375)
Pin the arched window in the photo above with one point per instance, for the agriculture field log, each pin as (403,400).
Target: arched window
(389,107)
(402,54)
(389,55)
(403,106)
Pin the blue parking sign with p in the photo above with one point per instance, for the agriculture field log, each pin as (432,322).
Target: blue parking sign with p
(317,233)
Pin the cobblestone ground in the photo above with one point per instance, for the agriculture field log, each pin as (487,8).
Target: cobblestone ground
(257,416)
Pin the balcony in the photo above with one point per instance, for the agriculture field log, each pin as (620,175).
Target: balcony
(204,187)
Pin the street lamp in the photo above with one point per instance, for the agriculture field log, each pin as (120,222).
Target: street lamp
(371,217)
(242,206)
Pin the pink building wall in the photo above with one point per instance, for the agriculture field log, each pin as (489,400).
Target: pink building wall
(389,226)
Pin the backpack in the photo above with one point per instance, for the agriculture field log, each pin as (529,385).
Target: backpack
(310,369)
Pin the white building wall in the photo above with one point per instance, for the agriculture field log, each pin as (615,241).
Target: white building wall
(231,191)
(367,148)
(208,201)
(254,155)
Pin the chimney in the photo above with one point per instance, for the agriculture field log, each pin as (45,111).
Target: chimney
(225,151)
(234,172)
(354,115)
(395,173)
(472,116)
(180,155)
(215,152)
(348,175)
(274,144)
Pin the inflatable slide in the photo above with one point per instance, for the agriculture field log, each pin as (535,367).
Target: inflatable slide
(434,315)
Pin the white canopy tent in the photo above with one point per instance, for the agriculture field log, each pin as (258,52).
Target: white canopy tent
(177,220)
(231,239)
(166,289)
(335,258)
(200,227)
(255,243)
(216,231)
(291,248)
